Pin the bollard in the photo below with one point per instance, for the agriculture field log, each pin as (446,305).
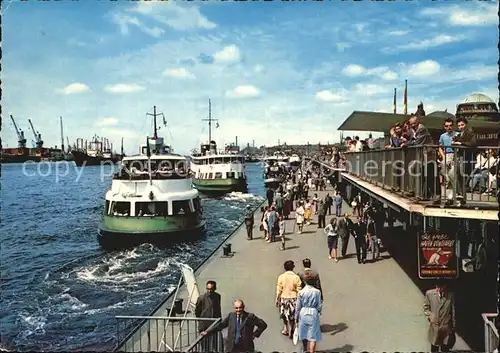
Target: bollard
(228,245)
(225,251)
(178,306)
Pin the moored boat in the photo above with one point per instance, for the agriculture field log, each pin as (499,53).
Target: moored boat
(151,199)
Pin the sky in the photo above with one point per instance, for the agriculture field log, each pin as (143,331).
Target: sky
(284,71)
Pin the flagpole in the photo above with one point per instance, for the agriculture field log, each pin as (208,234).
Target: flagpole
(406,98)
(394,104)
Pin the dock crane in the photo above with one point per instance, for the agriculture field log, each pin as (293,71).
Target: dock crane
(38,136)
(20,134)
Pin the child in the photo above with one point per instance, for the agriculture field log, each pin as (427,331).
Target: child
(282,231)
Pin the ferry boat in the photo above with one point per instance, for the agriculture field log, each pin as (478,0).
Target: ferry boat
(218,173)
(151,199)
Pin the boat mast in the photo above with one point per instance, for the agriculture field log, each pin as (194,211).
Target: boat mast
(210,119)
(62,135)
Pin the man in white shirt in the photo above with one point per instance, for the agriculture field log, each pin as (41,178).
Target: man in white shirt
(359,145)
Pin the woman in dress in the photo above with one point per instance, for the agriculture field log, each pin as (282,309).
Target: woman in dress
(314,207)
(308,213)
(307,313)
(299,216)
(263,222)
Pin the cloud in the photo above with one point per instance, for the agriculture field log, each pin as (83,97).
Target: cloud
(398,33)
(342,46)
(330,96)
(244,92)
(425,44)
(371,89)
(124,21)
(228,55)
(178,17)
(123,88)
(258,68)
(107,121)
(481,14)
(75,88)
(383,72)
(180,73)
(424,68)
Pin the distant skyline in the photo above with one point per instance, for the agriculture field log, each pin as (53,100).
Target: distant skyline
(273,70)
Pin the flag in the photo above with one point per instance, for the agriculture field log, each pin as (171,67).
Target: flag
(405,101)
(164,121)
(394,104)
(148,151)
(216,125)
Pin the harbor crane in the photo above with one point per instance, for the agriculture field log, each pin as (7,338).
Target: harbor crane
(20,134)
(38,136)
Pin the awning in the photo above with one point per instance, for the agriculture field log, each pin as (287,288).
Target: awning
(382,122)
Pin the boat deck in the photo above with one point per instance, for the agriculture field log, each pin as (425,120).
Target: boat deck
(367,307)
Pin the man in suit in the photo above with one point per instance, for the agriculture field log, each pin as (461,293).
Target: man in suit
(241,330)
(419,136)
(439,308)
(208,306)
(359,234)
(466,155)
(344,226)
(307,268)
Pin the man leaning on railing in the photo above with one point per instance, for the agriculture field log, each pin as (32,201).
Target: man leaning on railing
(465,156)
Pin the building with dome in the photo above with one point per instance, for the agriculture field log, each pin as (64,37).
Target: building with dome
(478,106)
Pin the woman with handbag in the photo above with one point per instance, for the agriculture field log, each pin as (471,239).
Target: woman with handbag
(307,313)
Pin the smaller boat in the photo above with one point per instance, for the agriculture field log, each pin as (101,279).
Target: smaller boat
(274,175)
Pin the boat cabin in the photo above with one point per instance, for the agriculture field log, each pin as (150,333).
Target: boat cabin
(162,167)
(219,159)
(138,208)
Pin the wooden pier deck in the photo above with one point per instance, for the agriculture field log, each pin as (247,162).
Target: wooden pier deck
(367,307)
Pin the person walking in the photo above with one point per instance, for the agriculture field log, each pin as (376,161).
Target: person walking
(208,306)
(337,199)
(322,214)
(439,308)
(300,216)
(332,236)
(307,314)
(317,281)
(371,235)
(242,328)
(282,231)
(287,287)
(344,227)
(359,233)
(249,222)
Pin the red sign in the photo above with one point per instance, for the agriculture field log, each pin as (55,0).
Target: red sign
(437,256)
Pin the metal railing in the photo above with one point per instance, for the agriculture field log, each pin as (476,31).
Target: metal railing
(167,334)
(425,173)
(491,340)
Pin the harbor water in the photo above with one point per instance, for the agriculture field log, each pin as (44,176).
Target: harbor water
(60,291)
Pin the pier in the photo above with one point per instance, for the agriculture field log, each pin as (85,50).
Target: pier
(367,307)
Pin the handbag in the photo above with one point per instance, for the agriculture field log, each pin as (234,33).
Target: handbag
(261,228)
(296,336)
(354,203)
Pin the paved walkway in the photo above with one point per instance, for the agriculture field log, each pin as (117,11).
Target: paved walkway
(369,307)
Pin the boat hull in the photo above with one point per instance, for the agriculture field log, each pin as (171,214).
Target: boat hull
(220,186)
(19,158)
(117,232)
(82,159)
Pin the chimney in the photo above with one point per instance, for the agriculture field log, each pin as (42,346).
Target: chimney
(405,99)
(394,104)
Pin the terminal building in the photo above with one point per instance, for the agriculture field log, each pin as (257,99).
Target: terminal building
(471,227)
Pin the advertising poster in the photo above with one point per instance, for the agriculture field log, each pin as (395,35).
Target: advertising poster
(437,256)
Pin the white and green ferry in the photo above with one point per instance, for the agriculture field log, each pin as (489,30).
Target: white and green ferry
(218,173)
(151,199)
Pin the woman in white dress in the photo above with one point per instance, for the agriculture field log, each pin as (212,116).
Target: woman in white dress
(307,313)
(263,223)
(299,216)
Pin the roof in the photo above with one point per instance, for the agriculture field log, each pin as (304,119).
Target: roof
(478,98)
(382,122)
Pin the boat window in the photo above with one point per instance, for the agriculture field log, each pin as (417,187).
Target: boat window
(218,175)
(120,208)
(181,207)
(240,175)
(151,209)
(106,207)
(210,176)
(230,175)
(197,204)
(237,160)
(226,159)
